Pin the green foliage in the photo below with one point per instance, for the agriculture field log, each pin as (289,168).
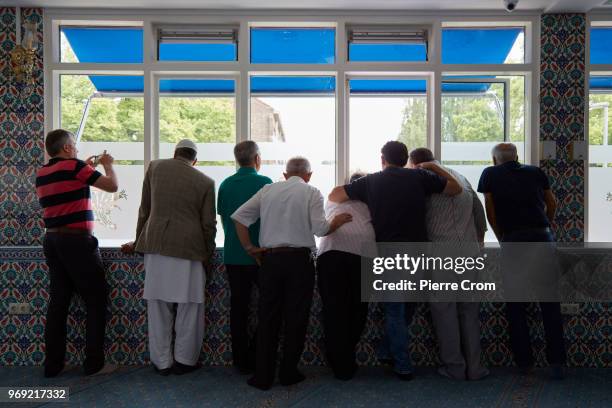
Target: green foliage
(467,118)
(206,119)
(596,118)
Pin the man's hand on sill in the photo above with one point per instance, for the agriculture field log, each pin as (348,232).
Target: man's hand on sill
(129,248)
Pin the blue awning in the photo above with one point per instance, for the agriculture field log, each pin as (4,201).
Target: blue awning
(410,86)
(293,45)
(600,83)
(135,84)
(289,84)
(477,45)
(601,51)
(106,44)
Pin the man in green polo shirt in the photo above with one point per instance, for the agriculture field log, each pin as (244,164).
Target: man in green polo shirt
(241,267)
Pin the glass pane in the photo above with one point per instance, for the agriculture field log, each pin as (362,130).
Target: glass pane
(101,44)
(383,110)
(601,50)
(293,45)
(287,124)
(387,52)
(503,45)
(473,122)
(195,109)
(114,123)
(197,52)
(600,161)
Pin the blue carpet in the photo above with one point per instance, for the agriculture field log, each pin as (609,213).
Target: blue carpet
(372,387)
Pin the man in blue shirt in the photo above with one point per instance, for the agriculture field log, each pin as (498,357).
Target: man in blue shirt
(240,266)
(520,207)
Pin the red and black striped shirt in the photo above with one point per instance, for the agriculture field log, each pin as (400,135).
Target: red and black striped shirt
(63,191)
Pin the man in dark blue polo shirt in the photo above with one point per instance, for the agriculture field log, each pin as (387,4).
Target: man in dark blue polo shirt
(520,207)
(397,198)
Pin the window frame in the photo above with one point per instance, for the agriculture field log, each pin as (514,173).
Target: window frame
(242,69)
(594,19)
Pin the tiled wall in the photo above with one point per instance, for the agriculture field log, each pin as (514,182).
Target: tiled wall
(24,279)
(23,273)
(562,108)
(21,139)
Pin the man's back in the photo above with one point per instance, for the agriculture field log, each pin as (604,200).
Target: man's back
(233,192)
(177,213)
(291,213)
(518,195)
(450,218)
(396,198)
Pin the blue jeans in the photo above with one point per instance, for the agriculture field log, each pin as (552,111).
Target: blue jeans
(397,321)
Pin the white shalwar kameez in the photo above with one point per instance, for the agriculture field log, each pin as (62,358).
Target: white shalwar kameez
(170,280)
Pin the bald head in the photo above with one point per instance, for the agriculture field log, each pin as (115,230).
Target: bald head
(503,153)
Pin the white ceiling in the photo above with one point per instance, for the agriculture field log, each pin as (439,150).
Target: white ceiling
(433,5)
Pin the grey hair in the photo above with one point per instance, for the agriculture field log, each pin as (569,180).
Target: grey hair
(246,152)
(504,152)
(298,165)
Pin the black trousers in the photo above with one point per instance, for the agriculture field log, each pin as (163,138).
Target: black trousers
(344,314)
(241,281)
(519,333)
(551,313)
(286,283)
(74,266)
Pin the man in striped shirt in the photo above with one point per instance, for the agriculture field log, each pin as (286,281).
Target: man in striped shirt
(72,253)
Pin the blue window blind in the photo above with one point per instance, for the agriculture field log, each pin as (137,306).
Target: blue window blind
(601,45)
(478,45)
(105,44)
(197,52)
(387,52)
(293,45)
(292,84)
(196,86)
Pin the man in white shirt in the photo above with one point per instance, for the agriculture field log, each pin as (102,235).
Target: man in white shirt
(291,213)
(339,282)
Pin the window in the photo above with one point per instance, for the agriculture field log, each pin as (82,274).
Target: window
(197,44)
(600,45)
(295,116)
(204,111)
(478,113)
(101,44)
(295,45)
(383,110)
(387,44)
(483,45)
(106,112)
(600,160)
(283,92)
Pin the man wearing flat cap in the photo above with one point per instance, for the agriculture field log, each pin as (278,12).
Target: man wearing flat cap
(176,233)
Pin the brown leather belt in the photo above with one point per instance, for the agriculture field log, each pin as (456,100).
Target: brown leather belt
(278,250)
(68,230)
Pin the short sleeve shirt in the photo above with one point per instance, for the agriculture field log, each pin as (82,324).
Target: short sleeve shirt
(518,195)
(397,199)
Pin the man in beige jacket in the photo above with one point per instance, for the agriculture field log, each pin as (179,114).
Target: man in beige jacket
(176,232)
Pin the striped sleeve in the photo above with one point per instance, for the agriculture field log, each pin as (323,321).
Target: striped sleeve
(85,173)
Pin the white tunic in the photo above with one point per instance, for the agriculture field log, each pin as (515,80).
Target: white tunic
(174,280)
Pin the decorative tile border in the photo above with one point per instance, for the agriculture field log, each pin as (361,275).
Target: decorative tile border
(23,278)
(562,109)
(21,138)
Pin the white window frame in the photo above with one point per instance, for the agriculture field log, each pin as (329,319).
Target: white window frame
(242,69)
(593,19)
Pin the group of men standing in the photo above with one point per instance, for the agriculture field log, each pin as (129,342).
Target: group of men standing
(269,243)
